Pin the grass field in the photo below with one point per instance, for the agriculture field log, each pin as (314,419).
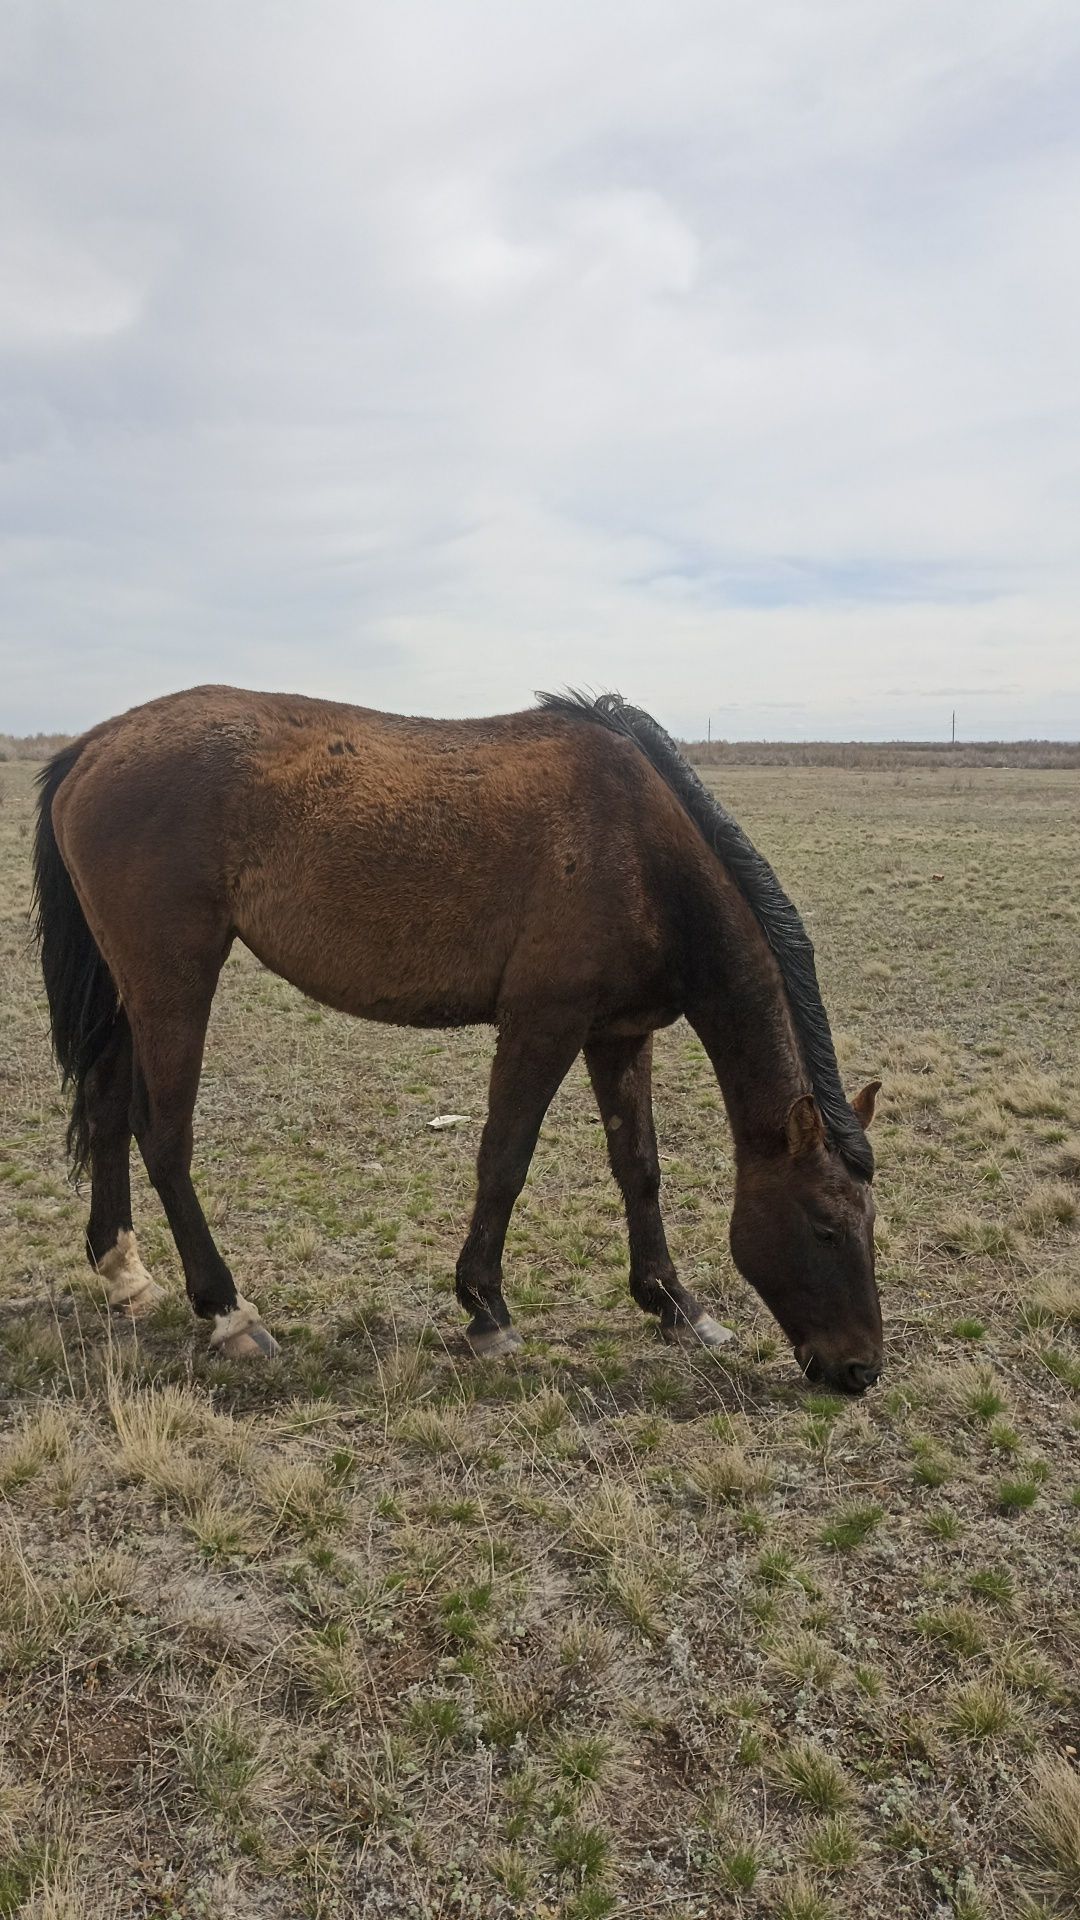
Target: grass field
(378,1630)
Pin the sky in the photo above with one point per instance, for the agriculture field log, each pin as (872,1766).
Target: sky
(423,353)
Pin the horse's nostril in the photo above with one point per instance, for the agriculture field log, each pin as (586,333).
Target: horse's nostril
(861,1377)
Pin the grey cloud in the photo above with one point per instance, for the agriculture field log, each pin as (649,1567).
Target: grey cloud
(407,353)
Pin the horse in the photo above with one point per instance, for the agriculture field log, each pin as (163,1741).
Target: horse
(561,874)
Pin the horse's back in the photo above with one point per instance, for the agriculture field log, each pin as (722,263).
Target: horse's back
(407,869)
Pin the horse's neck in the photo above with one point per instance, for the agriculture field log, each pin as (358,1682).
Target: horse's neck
(741,1015)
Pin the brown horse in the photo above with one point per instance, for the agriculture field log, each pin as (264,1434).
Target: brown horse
(560,873)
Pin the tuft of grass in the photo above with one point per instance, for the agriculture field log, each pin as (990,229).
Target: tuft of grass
(1014,1496)
(980,1710)
(806,1657)
(434,1430)
(1064,1366)
(636,1596)
(40,1440)
(220,1531)
(153,1425)
(739,1868)
(1049,1204)
(325,1660)
(850,1527)
(584,1762)
(959,1628)
(593,1901)
(933,1466)
(1050,1810)
(1022,1667)
(968,1329)
(513,1872)
(729,1476)
(1034,1096)
(299,1496)
(542,1414)
(21,1868)
(581,1849)
(438,1718)
(753,1523)
(822,1410)
(808,1772)
(832,1844)
(586,1645)
(1066,1160)
(750,1751)
(464,1612)
(1054,1301)
(227,1762)
(995,1584)
(968,1234)
(984,1400)
(799,1899)
(776,1567)
(968,1903)
(869,1682)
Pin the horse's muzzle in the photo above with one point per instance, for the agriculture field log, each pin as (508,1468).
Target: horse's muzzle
(848,1376)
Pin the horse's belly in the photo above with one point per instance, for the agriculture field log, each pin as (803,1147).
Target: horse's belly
(401,971)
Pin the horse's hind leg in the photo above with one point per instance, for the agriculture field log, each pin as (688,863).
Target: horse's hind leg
(169,1011)
(530,1063)
(621,1074)
(110,1242)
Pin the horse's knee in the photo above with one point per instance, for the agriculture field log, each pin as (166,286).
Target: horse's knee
(644,1189)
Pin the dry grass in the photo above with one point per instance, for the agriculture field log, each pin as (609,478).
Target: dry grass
(1051,1810)
(382,1631)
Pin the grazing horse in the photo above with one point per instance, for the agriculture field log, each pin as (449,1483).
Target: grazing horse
(560,873)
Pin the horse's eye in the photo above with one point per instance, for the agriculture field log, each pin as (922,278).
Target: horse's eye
(824,1233)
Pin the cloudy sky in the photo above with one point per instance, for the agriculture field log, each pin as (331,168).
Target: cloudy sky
(426,352)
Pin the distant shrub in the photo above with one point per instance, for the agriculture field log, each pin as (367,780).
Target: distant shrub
(32,746)
(884,755)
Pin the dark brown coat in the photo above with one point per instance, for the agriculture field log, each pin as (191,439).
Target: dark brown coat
(549,872)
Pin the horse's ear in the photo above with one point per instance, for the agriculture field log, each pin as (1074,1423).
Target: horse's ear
(804,1126)
(863,1104)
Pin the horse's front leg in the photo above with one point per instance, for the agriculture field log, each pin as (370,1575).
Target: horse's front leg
(621,1074)
(532,1057)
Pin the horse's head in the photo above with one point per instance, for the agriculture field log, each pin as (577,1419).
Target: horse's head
(802,1233)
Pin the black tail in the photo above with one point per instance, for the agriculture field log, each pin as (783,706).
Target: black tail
(83,1002)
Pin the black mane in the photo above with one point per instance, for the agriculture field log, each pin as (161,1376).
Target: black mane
(778,918)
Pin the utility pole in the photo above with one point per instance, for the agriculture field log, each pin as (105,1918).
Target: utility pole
(710,730)
(954,727)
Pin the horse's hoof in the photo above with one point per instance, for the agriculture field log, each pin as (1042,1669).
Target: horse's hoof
(251,1343)
(129,1288)
(496,1344)
(702,1332)
(240,1335)
(138,1305)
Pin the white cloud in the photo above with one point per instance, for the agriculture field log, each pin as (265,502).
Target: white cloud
(429,354)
